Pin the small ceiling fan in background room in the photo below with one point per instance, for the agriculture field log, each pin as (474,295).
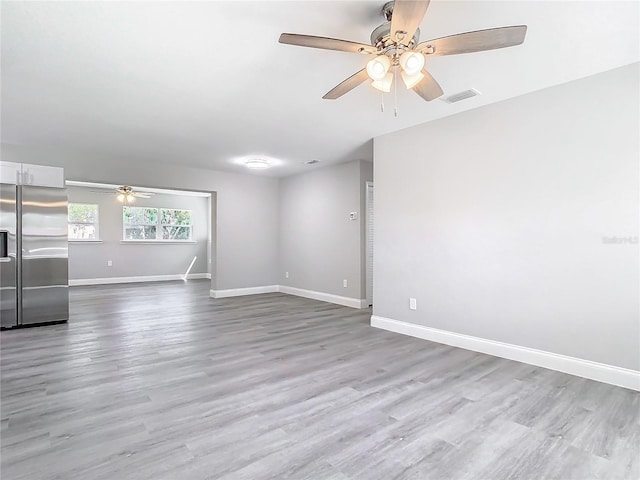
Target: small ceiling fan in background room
(126,194)
(395,48)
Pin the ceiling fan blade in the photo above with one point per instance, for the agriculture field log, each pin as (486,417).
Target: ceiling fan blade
(428,88)
(326,43)
(102,191)
(142,195)
(476,41)
(349,84)
(406,18)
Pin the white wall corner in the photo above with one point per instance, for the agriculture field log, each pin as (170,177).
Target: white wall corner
(601,372)
(238,292)
(325,297)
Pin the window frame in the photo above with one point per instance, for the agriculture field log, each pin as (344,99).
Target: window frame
(95,225)
(159,225)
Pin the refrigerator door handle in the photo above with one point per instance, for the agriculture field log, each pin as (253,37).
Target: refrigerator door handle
(4,244)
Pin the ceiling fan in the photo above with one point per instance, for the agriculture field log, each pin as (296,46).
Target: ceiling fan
(395,44)
(126,194)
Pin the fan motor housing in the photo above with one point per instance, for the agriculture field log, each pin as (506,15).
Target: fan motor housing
(381,37)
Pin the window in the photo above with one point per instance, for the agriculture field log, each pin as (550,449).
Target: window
(164,224)
(176,224)
(83,221)
(139,223)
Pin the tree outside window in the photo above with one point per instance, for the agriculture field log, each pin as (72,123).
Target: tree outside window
(176,224)
(83,221)
(169,224)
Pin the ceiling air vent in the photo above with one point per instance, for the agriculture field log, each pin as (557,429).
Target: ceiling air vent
(458,97)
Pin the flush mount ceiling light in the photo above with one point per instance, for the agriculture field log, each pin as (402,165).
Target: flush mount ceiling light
(257,164)
(395,48)
(257,161)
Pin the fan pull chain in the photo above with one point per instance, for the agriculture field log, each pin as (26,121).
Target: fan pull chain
(382,102)
(395,91)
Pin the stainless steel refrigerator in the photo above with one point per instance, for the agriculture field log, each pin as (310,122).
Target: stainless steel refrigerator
(34,279)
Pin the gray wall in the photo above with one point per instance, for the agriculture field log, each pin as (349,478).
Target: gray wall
(319,245)
(246,216)
(88,260)
(366,175)
(495,221)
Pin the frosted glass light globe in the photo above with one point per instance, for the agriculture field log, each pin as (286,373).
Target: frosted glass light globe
(412,62)
(378,67)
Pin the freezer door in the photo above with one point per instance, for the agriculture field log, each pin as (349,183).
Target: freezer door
(8,273)
(44,275)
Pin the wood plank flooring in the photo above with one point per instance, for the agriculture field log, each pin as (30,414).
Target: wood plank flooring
(158,381)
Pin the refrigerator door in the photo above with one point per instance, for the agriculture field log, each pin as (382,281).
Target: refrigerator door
(8,272)
(44,273)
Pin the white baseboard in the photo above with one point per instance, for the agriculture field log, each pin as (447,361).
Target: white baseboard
(231,292)
(238,292)
(325,297)
(601,372)
(145,278)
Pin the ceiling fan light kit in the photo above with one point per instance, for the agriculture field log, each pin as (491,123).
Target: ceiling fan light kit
(125,194)
(384,84)
(411,81)
(411,62)
(395,44)
(378,67)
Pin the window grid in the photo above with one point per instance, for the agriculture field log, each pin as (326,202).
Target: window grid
(78,229)
(160,230)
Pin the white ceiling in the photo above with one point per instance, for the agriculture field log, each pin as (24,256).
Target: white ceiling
(203,83)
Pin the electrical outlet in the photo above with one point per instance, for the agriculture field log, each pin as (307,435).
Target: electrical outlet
(412,304)
(286,274)
(344,283)
(109,263)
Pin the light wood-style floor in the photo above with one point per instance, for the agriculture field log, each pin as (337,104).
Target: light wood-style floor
(158,381)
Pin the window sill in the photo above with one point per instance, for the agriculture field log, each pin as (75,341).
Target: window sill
(75,240)
(158,242)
